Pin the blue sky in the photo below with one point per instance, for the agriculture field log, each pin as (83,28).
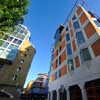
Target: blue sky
(43,18)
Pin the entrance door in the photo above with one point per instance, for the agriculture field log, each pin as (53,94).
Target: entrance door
(93,90)
(75,93)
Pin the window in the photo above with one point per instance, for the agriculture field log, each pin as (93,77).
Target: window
(22,61)
(59,60)
(80,38)
(14,77)
(56,75)
(40,79)
(60,49)
(67,29)
(1,51)
(15,41)
(97,23)
(19,69)
(76,25)
(74,17)
(1,66)
(19,42)
(69,49)
(5,45)
(59,73)
(12,47)
(70,65)
(10,38)
(67,37)
(85,55)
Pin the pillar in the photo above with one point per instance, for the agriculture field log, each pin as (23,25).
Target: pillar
(57,94)
(68,93)
(83,91)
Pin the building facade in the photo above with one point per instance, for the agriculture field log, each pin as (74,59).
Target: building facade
(75,61)
(16,54)
(39,88)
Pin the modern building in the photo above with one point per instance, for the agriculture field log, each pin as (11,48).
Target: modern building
(75,61)
(39,88)
(16,54)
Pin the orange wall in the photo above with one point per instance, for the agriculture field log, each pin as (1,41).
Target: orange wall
(63,70)
(74,45)
(90,30)
(77,62)
(63,56)
(96,47)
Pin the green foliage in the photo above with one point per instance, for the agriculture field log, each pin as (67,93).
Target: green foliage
(12,13)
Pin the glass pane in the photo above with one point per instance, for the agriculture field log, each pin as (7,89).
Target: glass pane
(19,42)
(67,37)
(76,25)
(15,41)
(12,54)
(97,23)
(85,55)
(10,38)
(74,17)
(1,51)
(5,45)
(69,49)
(70,65)
(80,38)
(12,47)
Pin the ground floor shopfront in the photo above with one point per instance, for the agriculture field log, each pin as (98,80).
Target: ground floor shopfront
(89,90)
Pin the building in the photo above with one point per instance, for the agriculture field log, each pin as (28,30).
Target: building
(16,54)
(75,61)
(39,88)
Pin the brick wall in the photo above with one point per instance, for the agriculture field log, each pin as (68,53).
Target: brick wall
(90,30)
(96,48)
(77,62)
(63,70)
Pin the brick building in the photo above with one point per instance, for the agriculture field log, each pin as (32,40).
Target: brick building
(75,61)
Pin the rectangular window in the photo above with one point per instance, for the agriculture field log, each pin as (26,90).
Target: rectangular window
(59,73)
(70,65)
(67,37)
(19,42)
(85,55)
(15,41)
(66,28)
(97,23)
(59,60)
(1,66)
(12,47)
(5,45)
(10,38)
(76,25)
(80,38)
(69,49)
(74,17)
(56,75)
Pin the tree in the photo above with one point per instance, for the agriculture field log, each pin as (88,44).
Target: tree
(12,13)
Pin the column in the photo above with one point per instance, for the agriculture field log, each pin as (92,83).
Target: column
(57,94)
(83,91)
(49,96)
(68,93)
